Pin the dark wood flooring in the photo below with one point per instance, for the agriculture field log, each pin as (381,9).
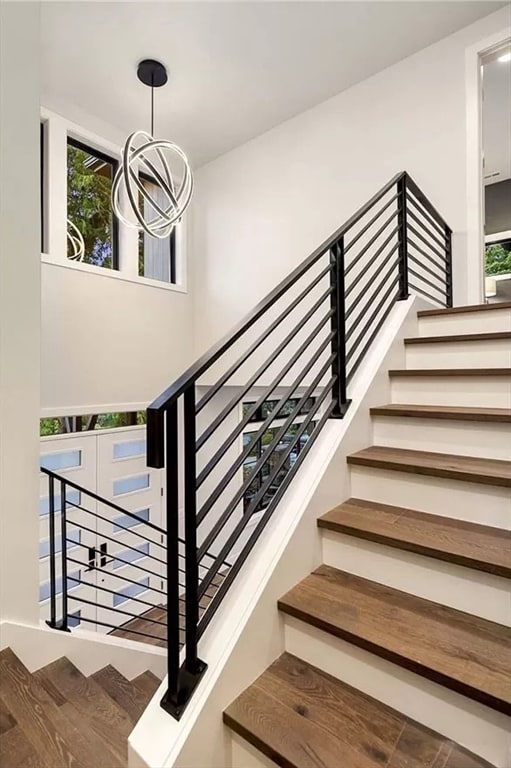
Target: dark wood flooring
(462,310)
(465,653)
(58,718)
(455,541)
(301,717)
(472,469)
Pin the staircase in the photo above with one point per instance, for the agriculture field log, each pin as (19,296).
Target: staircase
(403,633)
(58,718)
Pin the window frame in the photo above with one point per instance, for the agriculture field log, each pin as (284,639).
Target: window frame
(90,150)
(172,244)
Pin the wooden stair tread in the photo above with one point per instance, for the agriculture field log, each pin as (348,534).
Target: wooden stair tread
(462,310)
(459,337)
(147,683)
(465,653)
(122,691)
(16,751)
(450,412)
(455,541)
(301,717)
(54,740)
(100,712)
(469,468)
(450,372)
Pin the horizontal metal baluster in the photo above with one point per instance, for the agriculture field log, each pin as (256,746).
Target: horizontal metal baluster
(127,613)
(374,264)
(217,527)
(371,338)
(421,224)
(263,490)
(228,476)
(393,268)
(112,574)
(257,343)
(108,538)
(435,224)
(440,277)
(112,592)
(253,379)
(119,559)
(368,225)
(427,295)
(419,195)
(117,525)
(115,628)
(425,280)
(374,314)
(237,431)
(440,266)
(416,233)
(370,244)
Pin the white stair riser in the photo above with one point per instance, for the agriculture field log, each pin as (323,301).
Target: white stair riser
(460,354)
(244,755)
(474,726)
(473,502)
(467,322)
(477,391)
(468,438)
(465,589)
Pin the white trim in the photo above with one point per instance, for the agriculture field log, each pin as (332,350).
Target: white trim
(474,169)
(498,236)
(87,410)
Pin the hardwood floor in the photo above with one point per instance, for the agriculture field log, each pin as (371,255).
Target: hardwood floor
(454,541)
(447,412)
(472,469)
(465,653)
(463,310)
(458,337)
(301,717)
(57,718)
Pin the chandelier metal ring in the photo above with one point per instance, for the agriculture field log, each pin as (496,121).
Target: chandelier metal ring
(142,152)
(76,241)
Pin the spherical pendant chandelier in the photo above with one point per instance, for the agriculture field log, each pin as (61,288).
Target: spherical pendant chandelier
(162,163)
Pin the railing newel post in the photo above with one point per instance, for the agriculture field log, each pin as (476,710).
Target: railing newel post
(338,324)
(63,528)
(448,266)
(402,219)
(53,578)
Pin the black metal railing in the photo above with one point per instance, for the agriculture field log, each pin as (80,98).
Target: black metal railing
(292,357)
(90,554)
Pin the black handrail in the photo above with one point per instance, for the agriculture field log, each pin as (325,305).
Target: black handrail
(357,284)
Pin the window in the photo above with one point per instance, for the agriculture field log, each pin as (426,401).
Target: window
(67,424)
(156,258)
(89,185)
(258,447)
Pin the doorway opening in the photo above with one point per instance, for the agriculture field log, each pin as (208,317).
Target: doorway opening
(496,148)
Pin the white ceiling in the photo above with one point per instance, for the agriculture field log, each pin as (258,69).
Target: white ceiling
(236,69)
(497,120)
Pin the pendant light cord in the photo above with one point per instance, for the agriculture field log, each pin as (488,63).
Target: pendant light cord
(152,106)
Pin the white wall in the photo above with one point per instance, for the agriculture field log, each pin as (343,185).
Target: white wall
(111,340)
(108,342)
(262,208)
(19,310)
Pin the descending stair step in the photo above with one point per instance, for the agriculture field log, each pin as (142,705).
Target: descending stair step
(472,469)
(459,337)
(449,372)
(468,308)
(448,412)
(301,717)
(467,654)
(455,541)
(147,683)
(99,711)
(53,738)
(121,690)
